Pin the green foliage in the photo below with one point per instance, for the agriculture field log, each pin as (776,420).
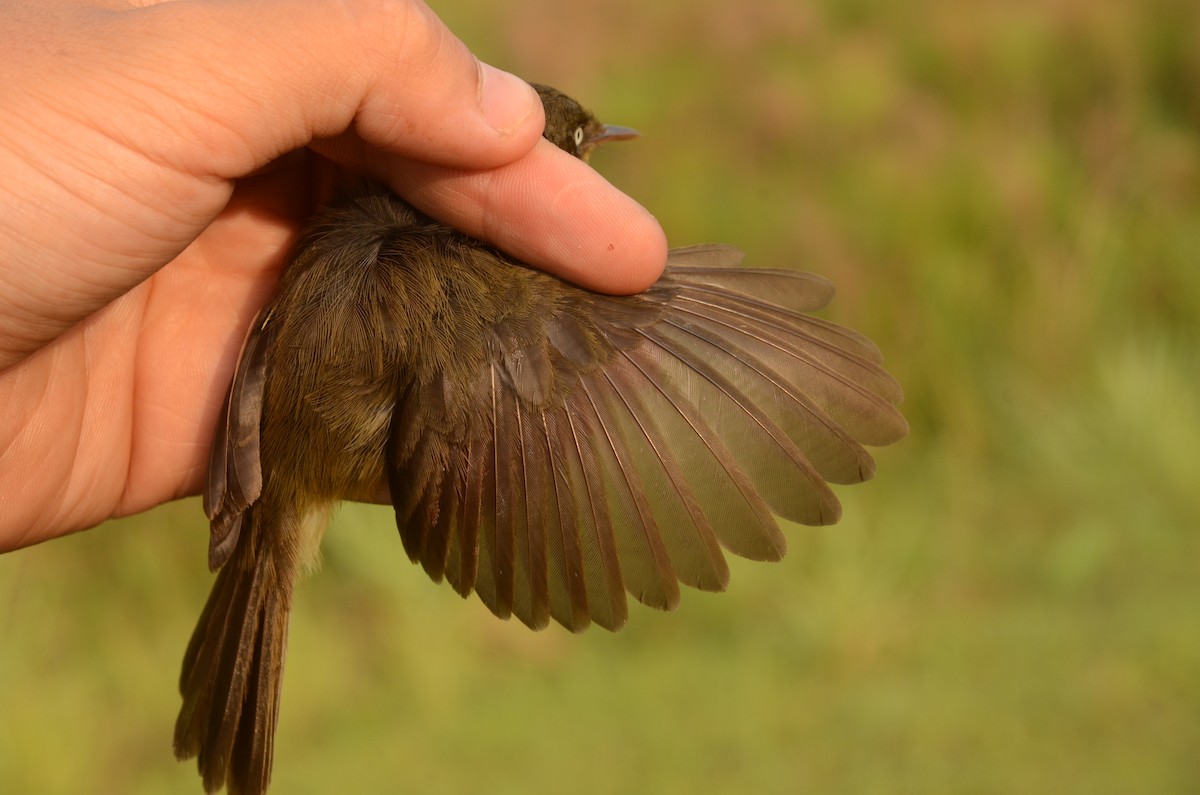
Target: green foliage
(1008,197)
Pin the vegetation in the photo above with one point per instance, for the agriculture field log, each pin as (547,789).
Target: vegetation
(1008,198)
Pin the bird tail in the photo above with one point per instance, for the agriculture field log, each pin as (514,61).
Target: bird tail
(232,674)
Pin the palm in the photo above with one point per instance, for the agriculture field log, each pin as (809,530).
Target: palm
(147,373)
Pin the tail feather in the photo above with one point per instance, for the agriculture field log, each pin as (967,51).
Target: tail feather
(232,672)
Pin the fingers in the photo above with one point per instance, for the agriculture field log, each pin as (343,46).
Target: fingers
(401,98)
(550,210)
(250,81)
(127,128)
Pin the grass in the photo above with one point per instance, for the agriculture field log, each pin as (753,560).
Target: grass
(1009,201)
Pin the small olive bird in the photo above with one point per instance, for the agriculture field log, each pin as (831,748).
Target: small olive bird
(548,448)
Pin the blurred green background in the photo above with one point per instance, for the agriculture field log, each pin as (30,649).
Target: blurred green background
(1008,198)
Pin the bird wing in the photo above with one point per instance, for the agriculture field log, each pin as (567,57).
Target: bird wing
(234,468)
(648,435)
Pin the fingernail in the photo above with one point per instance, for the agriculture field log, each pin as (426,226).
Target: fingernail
(505,99)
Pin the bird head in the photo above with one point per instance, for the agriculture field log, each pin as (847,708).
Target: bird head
(573,129)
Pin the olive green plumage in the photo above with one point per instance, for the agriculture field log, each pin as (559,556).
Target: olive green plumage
(547,448)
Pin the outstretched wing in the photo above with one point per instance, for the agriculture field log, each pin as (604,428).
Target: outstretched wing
(622,444)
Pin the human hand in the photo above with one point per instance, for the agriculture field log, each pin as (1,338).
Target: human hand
(159,162)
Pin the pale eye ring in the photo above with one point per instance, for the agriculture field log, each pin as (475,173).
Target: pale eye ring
(579,135)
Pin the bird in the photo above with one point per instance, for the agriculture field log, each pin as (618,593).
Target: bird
(550,449)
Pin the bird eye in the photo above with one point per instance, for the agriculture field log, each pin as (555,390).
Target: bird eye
(579,135)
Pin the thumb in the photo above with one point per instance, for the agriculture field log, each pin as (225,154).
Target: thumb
(125,129)
(252,81)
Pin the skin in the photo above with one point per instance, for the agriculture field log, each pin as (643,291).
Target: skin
(147,209)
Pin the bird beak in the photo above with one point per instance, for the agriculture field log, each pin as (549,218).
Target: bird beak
(612,132)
